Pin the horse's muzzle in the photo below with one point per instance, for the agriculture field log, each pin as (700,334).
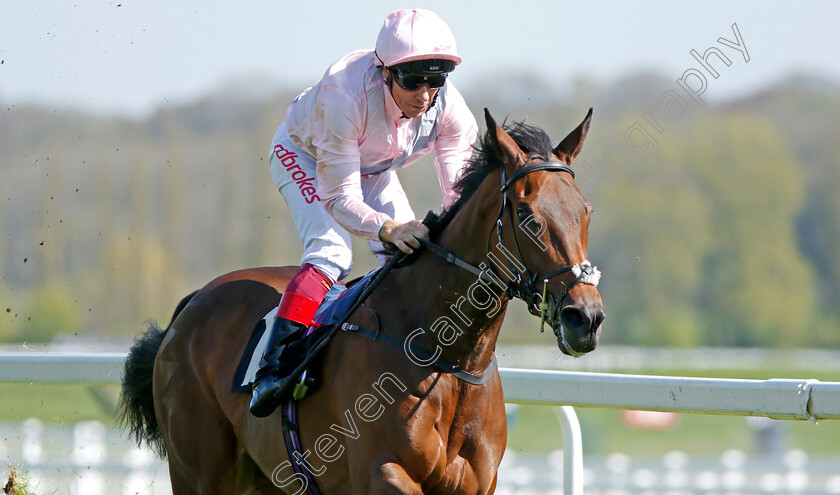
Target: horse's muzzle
(580,327)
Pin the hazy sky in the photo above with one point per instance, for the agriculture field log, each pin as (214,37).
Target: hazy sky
(130,56)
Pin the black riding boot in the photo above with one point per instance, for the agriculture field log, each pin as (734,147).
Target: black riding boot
(268,382)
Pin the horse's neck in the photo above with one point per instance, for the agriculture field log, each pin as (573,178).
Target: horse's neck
(459,314)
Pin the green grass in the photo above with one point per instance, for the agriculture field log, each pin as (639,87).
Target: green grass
(57,403)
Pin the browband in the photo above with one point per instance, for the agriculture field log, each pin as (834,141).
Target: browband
(551,166)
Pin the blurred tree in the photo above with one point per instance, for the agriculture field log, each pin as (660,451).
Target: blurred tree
(51,311)
(806,108)
(138,266)
(8,321)
(140,202)
(651,231)
(706,251)
(819,229)
(173,175)
(756,290)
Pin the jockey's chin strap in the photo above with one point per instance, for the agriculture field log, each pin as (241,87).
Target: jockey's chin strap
(523,285)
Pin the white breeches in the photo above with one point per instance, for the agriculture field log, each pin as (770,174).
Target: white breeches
(326,244)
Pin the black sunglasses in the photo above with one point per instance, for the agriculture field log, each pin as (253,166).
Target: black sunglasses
(411,81)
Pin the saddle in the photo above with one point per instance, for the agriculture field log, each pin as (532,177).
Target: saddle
(335,306)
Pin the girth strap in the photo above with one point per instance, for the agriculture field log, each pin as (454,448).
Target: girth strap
(291,435)
(423,354)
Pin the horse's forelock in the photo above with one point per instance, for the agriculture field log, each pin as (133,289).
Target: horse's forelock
(532,140)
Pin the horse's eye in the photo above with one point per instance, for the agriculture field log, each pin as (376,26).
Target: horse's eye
(523,212)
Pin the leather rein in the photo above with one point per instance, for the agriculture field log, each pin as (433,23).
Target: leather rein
(523,284)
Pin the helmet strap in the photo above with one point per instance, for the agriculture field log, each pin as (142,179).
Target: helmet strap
(377,58)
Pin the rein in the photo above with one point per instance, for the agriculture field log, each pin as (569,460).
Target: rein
(524,283)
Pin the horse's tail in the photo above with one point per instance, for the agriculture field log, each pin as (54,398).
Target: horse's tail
(136,409)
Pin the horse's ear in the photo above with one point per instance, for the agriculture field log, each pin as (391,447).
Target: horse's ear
(570,147)
(503,144)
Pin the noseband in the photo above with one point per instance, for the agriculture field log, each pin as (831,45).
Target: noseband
(523,284)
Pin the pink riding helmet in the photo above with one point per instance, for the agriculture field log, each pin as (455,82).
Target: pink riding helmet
(414,34)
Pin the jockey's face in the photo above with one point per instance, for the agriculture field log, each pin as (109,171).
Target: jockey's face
(413,103)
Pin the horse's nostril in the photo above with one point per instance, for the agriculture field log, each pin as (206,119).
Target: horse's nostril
(598,319)
(582,320)
(573,318)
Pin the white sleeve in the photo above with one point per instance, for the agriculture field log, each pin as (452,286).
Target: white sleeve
(339,124)
(453,146)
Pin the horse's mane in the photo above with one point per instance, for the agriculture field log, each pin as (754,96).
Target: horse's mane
(532,140)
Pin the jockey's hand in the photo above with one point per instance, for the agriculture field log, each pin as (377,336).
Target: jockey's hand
(404,235)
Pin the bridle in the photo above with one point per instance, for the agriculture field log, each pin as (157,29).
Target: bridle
(523,282)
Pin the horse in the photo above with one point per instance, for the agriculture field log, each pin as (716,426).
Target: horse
(384,420)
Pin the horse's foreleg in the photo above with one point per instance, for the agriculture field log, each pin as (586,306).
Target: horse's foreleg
(391,478)
(492,489)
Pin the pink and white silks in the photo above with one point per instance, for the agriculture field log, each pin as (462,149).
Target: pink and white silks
(334,158)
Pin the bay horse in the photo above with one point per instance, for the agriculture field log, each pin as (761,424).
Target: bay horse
(381,421)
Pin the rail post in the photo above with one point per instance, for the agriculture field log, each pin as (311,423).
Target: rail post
(572,450)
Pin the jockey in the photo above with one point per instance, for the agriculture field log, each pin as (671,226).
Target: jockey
(335,157)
